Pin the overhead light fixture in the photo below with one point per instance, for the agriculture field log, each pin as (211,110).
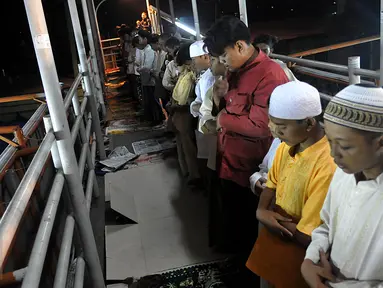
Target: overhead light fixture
(187,29)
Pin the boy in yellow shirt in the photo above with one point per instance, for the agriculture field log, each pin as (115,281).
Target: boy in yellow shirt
(298,181)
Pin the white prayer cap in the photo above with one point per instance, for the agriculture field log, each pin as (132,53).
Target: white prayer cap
(295,101)
(357,106)
(197,49)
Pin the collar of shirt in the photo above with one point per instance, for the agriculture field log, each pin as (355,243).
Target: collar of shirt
(316,146)
(360,180)
(253,61)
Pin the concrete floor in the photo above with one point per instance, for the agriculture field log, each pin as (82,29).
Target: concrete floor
(172,220)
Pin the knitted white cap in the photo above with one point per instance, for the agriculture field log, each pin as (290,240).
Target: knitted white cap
(197,49)
(295,101)
(357,106)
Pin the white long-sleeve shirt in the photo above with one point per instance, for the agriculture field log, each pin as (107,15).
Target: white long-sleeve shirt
(205,82)
(352,230)
(266,164)
(148,64)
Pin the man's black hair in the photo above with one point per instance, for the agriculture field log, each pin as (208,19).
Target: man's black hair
(267,39)
(172,43)
(183,55)
(225,33)
(145,34)
(165,36)
(135,42)
(154,38)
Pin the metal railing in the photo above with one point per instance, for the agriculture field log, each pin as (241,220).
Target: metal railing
(112,54)
(342,74)
(58,145)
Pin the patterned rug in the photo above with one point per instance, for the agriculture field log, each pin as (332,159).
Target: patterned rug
(221,274)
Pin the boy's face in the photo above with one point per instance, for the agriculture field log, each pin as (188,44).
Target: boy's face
(161,43)
(292,132)
(265,48)
(143,41)
(353,151)
(155,46)
(201,62)
(234,57)
(217,68)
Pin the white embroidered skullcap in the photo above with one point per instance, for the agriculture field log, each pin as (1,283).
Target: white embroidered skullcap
(197,49)
(295,101)
(357,106)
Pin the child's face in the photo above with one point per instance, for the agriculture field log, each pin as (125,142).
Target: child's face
(217,68)
(292,132)
(201,62)
(354,151)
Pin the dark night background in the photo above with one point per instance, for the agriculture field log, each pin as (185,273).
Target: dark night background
(314,23)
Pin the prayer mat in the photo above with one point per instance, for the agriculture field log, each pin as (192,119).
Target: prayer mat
(223,274)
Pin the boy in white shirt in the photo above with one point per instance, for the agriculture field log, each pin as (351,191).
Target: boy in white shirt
(346,250)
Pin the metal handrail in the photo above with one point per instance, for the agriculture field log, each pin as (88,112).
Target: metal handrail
(14,212)
(335,46)
(312,63)
(111,39)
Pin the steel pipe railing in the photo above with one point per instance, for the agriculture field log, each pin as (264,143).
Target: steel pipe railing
(325,96)
(326,75)
(48,72)
(64,256)
(40,247)
(14,212)
(312,63)
(28,129)
(72,91)
(77,123)
(80,272)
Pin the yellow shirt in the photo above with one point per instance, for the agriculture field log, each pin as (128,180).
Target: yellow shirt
(301,182)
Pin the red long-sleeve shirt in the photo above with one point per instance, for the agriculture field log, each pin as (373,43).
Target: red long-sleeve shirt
(245,137)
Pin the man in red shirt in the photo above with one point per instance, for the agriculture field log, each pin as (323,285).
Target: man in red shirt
(241,105)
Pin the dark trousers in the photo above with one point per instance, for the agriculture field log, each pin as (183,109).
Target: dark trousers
(152,110)
(133,86)
(233,221)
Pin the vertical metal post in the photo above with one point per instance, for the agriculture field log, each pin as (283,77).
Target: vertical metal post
(243,12)
(159,16)
(353,63)
(97,41)
(196,19)
(381,43)
(93,58)
(47,66)
(84,69)
(171,6)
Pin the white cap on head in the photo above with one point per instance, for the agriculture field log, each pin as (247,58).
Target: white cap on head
(357,106)
(295,101)
(197,49)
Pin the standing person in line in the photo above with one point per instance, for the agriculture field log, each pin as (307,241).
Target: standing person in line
(201,62)
(183,96)
(258,179)
(172,46)
(346,250)
(266,43)
(173,31)
(208,126)
(131,68)
(161,94)
(298,181)
(151,109)
(240,104)
(137,64)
